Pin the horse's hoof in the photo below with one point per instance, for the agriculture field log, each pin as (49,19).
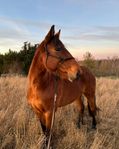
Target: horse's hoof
(94,127)
(78,125)
(83,123)
(45,147)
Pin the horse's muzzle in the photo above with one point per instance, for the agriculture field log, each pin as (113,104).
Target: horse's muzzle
(74,76)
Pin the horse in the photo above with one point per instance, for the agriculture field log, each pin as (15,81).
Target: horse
(52,66)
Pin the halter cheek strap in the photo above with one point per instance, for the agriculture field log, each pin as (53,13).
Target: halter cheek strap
(61,59)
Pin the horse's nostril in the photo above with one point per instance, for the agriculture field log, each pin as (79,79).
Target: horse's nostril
(78,75)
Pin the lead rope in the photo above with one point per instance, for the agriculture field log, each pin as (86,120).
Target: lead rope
(53,114)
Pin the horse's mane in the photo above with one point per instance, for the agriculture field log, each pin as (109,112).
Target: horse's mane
(39,50)
(47,78)
(37,54)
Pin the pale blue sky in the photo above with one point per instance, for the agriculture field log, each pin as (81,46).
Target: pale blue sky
(87,25)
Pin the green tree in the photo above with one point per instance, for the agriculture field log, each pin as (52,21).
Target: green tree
(26,56)
(1,64)
(17,62)
(89,61)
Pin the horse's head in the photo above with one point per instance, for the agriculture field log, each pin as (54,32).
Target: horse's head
(57,59)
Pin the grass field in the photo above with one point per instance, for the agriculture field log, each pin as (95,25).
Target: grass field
(20,128)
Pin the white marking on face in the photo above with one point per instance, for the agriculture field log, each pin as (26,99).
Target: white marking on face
(70,79)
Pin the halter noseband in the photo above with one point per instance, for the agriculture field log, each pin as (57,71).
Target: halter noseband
(61,59)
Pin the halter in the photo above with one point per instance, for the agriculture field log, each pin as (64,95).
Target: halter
(61,59)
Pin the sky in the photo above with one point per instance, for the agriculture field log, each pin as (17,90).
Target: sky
(86,25)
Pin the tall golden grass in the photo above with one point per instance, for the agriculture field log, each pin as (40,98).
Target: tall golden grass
(20,128)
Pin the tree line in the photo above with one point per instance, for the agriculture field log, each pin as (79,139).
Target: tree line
(105,67)
(19,62)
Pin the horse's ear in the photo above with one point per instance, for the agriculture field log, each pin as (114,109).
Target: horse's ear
(58,34)
(50,34)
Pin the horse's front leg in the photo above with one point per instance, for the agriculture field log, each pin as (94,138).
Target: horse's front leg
(48,120)
(44,127)
(45,120)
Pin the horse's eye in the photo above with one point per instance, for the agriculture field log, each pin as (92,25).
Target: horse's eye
(58,49)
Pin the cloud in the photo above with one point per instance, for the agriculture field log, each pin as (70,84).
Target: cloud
(108,28)
(15,31)
(11,29)
(21,29)
(11,34)
(102,33)
(25,22)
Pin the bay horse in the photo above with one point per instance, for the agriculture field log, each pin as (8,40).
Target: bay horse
(52,60)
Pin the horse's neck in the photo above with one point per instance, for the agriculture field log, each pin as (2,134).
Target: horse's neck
(38,72)
(36,64)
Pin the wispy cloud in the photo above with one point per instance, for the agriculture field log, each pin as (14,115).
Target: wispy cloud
(13,32)
(105,33)
(23,22)
(11,29)
(108,28)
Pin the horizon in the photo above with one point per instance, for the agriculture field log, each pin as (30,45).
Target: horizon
(86,26)
(81,57)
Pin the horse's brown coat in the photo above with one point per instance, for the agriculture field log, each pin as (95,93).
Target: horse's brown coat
(41,86)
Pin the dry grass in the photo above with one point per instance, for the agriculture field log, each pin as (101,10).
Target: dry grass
(20,129)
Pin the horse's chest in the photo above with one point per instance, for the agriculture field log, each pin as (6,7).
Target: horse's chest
(68,92)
